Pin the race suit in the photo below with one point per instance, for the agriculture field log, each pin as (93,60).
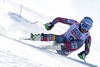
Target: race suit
(73,38)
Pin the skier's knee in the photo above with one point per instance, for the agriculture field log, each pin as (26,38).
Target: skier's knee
(77,44)
(74,45)
(59,39)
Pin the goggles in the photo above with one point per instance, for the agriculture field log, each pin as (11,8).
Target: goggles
(85,26)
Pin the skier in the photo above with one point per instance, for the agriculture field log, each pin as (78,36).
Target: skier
(72,39)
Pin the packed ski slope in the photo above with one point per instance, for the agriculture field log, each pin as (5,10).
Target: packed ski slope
(14,24)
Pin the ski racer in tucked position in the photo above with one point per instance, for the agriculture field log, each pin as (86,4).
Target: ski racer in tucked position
(77,35)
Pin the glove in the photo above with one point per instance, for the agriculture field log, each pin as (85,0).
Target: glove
(48,26)
(82,55)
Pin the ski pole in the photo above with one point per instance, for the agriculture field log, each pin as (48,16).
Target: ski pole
(84,60)
(35,22)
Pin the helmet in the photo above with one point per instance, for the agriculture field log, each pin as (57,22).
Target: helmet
(86,23)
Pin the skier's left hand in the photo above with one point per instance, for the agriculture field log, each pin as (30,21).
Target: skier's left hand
(82,55)
(48,26)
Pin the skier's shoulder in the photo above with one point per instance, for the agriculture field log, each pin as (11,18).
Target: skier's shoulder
(72,21)
(75,23)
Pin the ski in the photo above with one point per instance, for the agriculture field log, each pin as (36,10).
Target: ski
(57,47)
(23,38)
(34,22)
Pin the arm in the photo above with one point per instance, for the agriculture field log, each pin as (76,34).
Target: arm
(87,44)
(49,26)
(83,54)
(63,20)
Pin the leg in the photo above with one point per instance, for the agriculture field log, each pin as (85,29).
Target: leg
(70,47)
(48,37)
(52,37)
(74,45)
(58,40)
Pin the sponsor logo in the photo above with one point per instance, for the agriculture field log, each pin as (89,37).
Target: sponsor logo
(76,33)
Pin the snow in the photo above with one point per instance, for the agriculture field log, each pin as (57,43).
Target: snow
(15,52)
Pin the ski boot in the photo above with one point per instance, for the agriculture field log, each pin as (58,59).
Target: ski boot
(35,37)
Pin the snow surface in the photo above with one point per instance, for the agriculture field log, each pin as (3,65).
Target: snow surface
(14,25)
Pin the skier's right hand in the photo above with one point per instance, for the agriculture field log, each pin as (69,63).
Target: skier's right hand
(82,55)
(48,26)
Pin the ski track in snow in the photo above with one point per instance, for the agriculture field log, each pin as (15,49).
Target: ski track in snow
(8,59)
(14,60)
